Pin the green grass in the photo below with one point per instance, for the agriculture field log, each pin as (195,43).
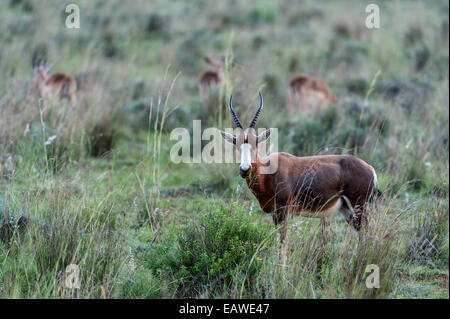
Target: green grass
(140,226)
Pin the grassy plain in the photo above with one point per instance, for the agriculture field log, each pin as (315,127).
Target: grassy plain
(104,195)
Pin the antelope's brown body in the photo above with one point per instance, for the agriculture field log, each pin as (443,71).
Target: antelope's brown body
(312,186)
(56,87)
(211,77)
(306,92)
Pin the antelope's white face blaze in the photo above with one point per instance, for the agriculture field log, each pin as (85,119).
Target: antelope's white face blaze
(246,158)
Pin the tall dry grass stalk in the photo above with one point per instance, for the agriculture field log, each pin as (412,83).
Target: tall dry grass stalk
(152,155)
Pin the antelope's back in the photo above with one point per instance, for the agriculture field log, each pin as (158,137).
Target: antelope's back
(311,91)
(299,82)
(59,79)
(316,179)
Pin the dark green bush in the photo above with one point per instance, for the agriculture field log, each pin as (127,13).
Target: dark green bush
(157,24)
(411,94)
(309,134)
(346,126)
(359,120)
(259,15)
(12,219)
(358,86)
(208,254)
(25,5)
(102,139)
(137,115)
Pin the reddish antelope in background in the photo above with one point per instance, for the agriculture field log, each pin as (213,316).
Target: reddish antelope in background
(305,92)
(211,77)
(312,186)
(54,87)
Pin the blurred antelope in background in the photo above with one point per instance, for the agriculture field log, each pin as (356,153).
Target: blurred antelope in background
(209,78)
(55,87)
(306,93)
(311,186)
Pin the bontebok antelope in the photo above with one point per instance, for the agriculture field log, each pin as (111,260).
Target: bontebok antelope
(311,186)
(54,87)
(306,92)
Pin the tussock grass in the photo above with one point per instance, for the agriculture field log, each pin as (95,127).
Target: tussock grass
(94,185)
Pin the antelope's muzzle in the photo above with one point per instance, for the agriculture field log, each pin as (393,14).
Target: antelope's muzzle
(246,160)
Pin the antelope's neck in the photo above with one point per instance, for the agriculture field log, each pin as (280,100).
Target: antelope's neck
(40,80)
(254,179)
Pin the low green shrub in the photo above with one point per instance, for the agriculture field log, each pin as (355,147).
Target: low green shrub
(210,254)
(350,126)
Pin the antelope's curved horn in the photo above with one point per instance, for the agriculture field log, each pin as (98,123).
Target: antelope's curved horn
(255,118)
(233,114)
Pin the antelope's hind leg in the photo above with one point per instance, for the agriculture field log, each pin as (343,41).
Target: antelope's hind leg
(356,217)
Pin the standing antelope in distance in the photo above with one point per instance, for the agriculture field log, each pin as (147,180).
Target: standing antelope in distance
(55,87)
(211,77)
(306,92)
(311,186)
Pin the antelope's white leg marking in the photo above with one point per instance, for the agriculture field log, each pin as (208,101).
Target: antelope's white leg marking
(246,158)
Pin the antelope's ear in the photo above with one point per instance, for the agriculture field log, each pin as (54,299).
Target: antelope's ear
(228,137)
(263,136)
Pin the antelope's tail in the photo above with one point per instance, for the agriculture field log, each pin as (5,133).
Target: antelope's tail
(379,194)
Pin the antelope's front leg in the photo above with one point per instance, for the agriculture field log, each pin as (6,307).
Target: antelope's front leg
(279,216)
